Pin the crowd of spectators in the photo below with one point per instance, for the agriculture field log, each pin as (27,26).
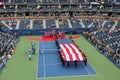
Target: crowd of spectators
(61,1)
(29,1)
(106,42)
(9,10)
(7,47)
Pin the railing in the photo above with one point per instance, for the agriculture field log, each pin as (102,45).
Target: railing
(60,17)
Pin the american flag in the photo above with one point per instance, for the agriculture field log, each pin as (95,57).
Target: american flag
(69,50)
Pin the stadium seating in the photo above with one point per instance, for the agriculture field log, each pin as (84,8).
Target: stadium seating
(7,45)
(108,25)
(11,23)
(108,42)
(75,23)
(50,24)
(118,1)
(60,1)
(64,24)
(37,24)
(24,24)
(87,22)
(4,29)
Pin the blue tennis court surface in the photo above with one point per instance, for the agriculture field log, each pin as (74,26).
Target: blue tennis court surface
(50,66)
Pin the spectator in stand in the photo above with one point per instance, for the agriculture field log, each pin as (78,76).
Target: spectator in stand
(9,56)
(107,49)
(116,57)
(112,53)
(1,53)
(118,51)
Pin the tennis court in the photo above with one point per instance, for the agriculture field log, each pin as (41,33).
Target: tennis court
(49,64)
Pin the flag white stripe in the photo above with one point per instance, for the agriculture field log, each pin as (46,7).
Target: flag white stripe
(65,52)
(78,52)
(71,52)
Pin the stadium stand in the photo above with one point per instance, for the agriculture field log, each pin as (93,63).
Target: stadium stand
(50,24)
(75,23)
(7,47)
(24,24)
(63,23)
(37,24)
(107,42)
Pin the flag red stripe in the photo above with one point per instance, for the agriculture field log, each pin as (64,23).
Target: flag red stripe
(70,52)
(77,57)
(65,53)
(81,53)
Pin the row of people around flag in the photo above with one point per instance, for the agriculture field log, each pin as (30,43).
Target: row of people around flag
(55,34)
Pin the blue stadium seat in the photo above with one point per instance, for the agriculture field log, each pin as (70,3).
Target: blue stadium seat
(38,24)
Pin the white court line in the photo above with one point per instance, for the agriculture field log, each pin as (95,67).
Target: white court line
(44,61)
(48,45)
(54,64)
(68,76)
(44,70)
(37,60)
(48,49)
(86,68)
(92,67)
